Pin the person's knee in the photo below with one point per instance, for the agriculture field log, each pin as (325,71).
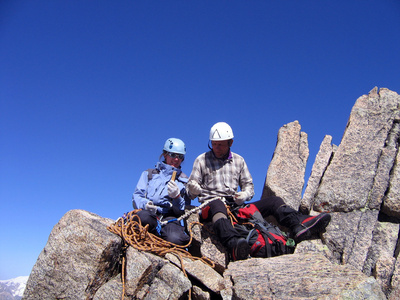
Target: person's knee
(274,202)
(147,218)
(178,238)
(175,233)
(217,206)
(278,202)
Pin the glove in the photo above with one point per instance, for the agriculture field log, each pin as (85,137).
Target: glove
(151,207)
(194,188)
(173,190)
(240,197)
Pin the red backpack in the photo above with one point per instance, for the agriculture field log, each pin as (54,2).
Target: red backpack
(264,239)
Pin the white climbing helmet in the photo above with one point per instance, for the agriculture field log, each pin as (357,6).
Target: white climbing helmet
(221,131)
(175,146)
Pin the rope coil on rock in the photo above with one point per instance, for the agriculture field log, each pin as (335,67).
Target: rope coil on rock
(134,234)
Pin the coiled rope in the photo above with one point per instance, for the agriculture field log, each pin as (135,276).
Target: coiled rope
(134,234)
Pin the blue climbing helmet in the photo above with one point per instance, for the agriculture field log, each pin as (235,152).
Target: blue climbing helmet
(175,146)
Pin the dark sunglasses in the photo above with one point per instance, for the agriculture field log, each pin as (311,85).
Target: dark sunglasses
(176,155)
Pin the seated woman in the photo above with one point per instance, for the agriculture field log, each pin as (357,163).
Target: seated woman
(162,198)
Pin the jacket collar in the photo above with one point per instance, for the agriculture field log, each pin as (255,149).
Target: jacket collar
(167,169)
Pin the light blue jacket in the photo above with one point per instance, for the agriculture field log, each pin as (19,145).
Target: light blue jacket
(156,190)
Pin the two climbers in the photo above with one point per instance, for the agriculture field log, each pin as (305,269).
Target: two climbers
(220,173)
(162,198)
(216,173)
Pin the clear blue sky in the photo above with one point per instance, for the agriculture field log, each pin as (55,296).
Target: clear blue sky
(90,90)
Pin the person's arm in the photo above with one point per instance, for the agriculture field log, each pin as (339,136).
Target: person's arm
(178,206)
(186,196)
(246,182)
(195,179)
(175,190)
(183,179)
(139,199)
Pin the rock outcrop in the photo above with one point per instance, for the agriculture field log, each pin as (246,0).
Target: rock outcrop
(357,181)
(80,256)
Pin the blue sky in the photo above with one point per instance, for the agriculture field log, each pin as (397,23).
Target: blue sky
(90,90)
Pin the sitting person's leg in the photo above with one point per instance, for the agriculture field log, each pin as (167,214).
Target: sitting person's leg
(237,246)
(175,233)
(268,206)
(149,218)
(302,226)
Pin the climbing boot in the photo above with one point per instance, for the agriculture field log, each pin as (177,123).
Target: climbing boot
(237,246)
(238,249)
(310,226)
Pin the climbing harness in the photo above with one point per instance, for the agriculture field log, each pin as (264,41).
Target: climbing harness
(194,210)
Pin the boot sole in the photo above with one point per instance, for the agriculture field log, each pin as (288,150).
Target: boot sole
(242,250)
(318,226)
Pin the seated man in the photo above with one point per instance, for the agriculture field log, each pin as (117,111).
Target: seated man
(219,173)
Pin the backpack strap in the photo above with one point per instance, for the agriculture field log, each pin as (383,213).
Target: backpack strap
(150,173)
(249,235)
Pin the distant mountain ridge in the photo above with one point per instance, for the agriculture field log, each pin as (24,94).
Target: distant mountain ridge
(13,289)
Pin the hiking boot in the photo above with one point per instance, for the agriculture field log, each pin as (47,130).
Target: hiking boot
(311,225)
(238,249)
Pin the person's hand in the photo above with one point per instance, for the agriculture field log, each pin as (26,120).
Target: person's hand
(173,189)
(151,207)
(240,197)
(194,188)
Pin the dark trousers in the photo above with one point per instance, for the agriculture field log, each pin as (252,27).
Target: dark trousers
(267,206)
(224,229)
(172,232)
(270,206)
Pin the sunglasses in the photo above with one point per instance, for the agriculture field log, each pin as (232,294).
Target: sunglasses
(176,155)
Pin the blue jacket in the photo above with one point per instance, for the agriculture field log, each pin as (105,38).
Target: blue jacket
(156,190)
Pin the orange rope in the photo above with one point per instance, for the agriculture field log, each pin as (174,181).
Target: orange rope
(136,235)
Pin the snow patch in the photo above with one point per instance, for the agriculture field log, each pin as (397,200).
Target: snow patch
(15,286)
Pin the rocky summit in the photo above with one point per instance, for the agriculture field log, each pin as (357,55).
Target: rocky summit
(358,182)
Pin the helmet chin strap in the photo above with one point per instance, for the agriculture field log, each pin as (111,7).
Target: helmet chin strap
(211,148)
